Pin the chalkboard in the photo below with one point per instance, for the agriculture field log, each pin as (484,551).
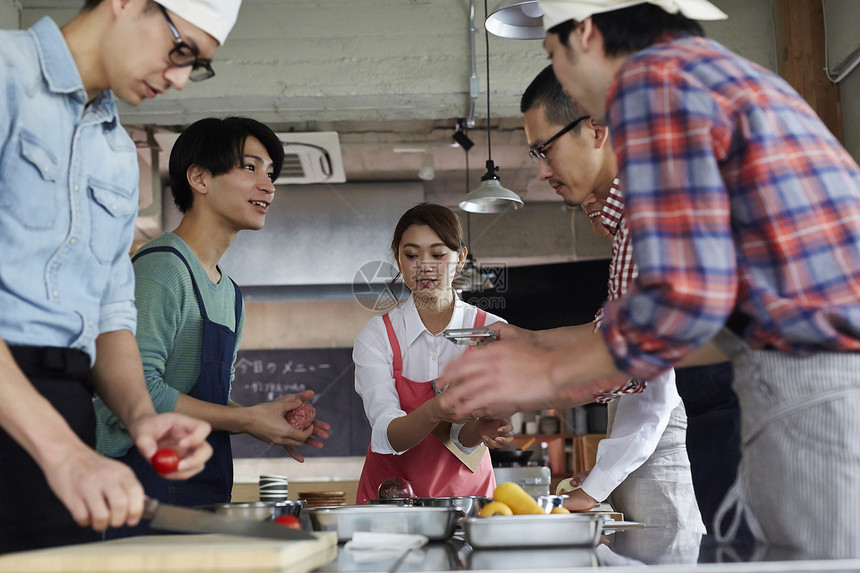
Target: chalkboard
(263,375)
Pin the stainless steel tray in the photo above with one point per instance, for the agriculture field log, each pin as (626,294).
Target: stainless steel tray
(537,559)
(437,523)
(554,530)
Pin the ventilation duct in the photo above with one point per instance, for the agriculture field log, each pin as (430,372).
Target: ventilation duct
(312,157)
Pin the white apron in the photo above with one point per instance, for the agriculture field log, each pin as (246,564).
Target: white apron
(799,479)
(660,492)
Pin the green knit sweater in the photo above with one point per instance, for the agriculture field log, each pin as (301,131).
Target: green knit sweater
(169,331)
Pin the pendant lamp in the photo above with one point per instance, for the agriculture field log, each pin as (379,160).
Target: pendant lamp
(517,20)
(489,196)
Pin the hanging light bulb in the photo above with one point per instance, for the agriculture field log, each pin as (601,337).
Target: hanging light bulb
(516,19)
(489,196)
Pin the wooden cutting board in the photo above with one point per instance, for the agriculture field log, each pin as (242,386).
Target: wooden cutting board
(187,553)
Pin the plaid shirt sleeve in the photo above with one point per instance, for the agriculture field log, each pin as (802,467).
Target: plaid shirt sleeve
(669,138)
(743,209)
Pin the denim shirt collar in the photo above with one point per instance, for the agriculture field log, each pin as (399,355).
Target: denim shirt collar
(61,71)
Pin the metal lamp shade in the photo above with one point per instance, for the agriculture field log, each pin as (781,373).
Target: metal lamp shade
(490,197)
(517,20)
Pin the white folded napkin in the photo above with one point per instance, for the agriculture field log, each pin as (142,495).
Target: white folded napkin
(372,540)
(374,546)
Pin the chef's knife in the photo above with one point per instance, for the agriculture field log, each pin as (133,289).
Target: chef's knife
(173,518)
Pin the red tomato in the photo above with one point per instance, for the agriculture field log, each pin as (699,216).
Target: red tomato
(288,520)
(165,461)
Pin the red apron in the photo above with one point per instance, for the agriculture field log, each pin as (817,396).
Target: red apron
(432,470)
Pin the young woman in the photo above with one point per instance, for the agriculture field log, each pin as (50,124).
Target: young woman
(398,355)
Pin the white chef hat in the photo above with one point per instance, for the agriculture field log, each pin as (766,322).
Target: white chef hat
(215,17)
(557,11)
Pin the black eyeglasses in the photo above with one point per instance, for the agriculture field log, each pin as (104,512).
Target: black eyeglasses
(182,55)
(539,152)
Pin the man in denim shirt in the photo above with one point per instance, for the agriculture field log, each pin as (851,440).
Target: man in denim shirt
(68,202)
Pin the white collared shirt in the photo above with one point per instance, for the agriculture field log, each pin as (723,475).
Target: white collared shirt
(634,436)
(424,358)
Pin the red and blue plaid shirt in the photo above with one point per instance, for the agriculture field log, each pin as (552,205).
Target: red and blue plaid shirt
(743,210)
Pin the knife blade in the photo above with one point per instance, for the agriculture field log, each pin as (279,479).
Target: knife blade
(175,518)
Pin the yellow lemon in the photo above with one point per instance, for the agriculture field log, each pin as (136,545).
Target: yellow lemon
(559,509)
(495,508)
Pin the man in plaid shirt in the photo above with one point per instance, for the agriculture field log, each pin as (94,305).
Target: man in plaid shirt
(743,211)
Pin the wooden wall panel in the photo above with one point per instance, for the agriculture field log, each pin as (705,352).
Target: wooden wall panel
(800,49)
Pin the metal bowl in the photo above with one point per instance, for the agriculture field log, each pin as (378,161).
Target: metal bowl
(547,502)
(468,505)
(258,510)
(407,501)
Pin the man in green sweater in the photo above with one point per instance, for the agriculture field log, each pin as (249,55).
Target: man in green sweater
(190,314)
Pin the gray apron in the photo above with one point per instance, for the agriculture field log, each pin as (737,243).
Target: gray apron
(798,481)
(660,492)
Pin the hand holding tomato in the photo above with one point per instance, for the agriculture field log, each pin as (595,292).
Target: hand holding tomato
(185,435)
(288,520)
(165,461)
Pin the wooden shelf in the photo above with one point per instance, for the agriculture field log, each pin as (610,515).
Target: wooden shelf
(583,451)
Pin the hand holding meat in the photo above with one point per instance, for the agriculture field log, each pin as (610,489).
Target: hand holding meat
(493,432)
(301,417)
(267,422)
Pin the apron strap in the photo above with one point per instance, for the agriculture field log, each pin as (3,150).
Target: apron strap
(397,364)
(176,252)
(736,500)
(480,318)
(238,303)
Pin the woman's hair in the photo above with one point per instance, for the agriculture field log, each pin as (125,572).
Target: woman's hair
(634,28)
(441,220)
(217,145)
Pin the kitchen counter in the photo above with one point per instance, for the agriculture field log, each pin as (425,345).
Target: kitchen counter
(642,549)
(650,549)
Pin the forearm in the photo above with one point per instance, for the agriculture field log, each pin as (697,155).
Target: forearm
(118,377)
(586,368)
(470,434)
(231,418)
(564,336)
(408,431)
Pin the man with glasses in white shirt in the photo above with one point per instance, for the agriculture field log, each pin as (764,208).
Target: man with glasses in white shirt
(68,203)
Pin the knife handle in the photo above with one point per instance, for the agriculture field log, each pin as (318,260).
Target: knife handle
(150,506)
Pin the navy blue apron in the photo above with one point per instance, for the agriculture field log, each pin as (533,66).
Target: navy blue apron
(215,483)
